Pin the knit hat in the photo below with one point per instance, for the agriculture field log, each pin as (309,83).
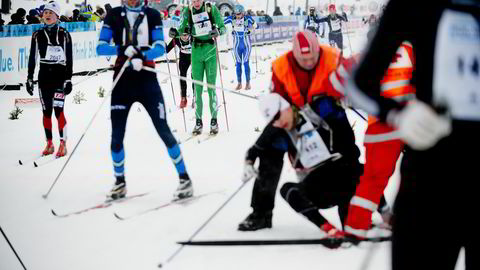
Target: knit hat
(305,45)
(53,6)
(332,7)
(271,104)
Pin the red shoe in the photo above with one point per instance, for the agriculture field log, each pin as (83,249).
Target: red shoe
(183,102)
(62,149)
(49,149)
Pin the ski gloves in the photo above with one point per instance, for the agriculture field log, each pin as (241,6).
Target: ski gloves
(419,125)
(67,87)
(137,62)
(248,171)
(29,85)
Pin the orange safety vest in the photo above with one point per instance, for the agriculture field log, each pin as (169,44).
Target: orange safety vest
(396,81)
(327,63)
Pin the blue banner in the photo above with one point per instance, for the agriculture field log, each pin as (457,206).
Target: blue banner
(24,30)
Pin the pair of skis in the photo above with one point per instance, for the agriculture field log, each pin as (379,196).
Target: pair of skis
(108,203)
(38,160)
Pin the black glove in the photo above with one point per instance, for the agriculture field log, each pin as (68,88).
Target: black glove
(29,85)
(173,33)
(214,33)
(67,88)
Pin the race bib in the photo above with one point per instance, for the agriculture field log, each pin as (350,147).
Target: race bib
(336,25)
(55,53)
(203,28)
(456,76)
(239,25)
(311,147)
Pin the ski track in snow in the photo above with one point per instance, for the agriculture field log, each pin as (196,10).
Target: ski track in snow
(97,240)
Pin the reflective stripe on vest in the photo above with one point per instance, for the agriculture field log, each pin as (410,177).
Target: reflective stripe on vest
(327,63)
(383,137)
(364,203)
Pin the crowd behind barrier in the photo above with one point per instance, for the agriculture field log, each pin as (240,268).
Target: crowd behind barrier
(15,43)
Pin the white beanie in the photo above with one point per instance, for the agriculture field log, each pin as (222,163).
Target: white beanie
(53,6)
(271,104)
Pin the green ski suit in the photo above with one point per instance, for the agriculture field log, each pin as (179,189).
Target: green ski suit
(204,56)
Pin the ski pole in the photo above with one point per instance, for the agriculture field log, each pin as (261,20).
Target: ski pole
(178,73)
(221,82)
(171,83)
(11,246)
(88,126)
(256,54)
(169,259)
(199,82)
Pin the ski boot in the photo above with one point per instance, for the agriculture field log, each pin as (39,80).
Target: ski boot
(213,127)
(118,191)
(198,127)
(239,86)
(256,221)
(184,189)
(62,149)
(49,149)
(183,102)
(248,86)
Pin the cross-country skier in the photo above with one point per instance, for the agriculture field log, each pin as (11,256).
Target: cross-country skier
(439,170)
(137,35)
(313,23)
(184,43)
(206,24)
(53,45)
(242,26)
(334,22)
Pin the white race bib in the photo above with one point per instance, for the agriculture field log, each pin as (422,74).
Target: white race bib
(202,24)
(55,53)
(336,25)
(311,147)
(456,77)
(239,25)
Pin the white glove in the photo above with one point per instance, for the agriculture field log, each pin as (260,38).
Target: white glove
(419,125)
(137,64)
(248,172)
(130,51)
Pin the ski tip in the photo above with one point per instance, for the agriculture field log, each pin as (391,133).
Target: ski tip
(53,212)
(20,162)
(118,217)
(35,164)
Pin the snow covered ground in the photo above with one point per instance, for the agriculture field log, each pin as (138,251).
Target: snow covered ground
(97,240)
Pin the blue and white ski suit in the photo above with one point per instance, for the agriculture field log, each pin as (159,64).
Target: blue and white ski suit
(242,43)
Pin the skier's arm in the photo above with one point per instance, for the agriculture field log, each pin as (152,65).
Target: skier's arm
(170,45)
(343,17)
(320,20)
(32,61)
(217,17)
(106,35)
(158,45)
(68,54)
(363,89)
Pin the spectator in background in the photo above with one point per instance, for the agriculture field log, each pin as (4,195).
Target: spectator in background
(2,22)
(100,13)
(277,11)
(33,17)
(108,7)
(77,17)
(298,12)
(18,17)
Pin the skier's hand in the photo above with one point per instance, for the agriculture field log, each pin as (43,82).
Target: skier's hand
(173,33)
(67,87)
(248,172)
(137,64)
(322,35)
(131,51)
(214,33)
(29,85)
(419,125)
